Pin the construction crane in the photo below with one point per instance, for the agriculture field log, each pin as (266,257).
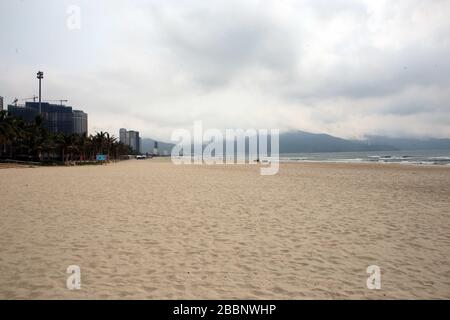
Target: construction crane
(33,97)
(59,100)
(16,101)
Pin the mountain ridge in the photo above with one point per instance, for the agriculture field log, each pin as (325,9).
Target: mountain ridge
(299,141)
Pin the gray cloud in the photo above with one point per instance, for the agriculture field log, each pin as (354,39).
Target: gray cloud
(344,67)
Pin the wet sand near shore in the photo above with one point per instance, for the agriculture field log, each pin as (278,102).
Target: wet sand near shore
(152,230)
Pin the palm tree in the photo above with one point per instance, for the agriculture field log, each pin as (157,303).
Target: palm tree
(62,143)
(99,141)
(110,141)
(9,131)
(49,146)
(83,143)
(34,136)
(5,131)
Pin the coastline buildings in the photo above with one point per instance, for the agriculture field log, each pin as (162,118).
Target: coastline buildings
(56,118)
(130,138)
(135,140)
(123,136)
(25,113)
(80,122)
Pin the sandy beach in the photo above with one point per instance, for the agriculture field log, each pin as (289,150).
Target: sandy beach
(152,230)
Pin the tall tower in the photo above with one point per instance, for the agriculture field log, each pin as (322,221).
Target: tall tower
(40,76)
(123,136)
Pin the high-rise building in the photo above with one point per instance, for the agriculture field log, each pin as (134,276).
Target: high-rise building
(1,103)
(80,122)
(56,118)
(25,113)
(130,138)
(134,140)
(123,136)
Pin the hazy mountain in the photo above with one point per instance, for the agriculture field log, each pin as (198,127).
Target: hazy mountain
(305,142)
(411,143)
(147,145)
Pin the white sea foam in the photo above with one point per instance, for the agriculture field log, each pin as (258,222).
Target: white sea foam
(440,157)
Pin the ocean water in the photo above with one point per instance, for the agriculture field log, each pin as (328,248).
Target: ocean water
(417,157)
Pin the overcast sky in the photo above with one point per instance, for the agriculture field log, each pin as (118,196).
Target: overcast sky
(344,67)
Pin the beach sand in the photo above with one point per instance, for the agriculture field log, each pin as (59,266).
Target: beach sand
(152,230)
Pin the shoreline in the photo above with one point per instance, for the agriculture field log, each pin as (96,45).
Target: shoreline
(369,162)
(7,165)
